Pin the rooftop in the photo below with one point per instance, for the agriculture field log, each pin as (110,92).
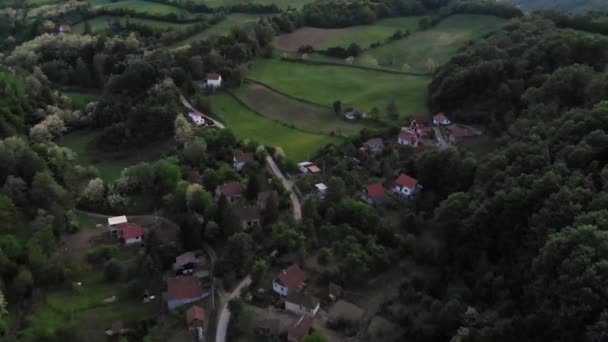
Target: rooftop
(184,288)
(243,157)
(195,313)
(302,299)
(407,181)
(131,231)
(231,189)
(117,220)
(292,277)
(213,76)
(375,190)
(300,329)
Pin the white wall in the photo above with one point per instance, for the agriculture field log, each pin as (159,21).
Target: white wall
(300,310)
(278,288)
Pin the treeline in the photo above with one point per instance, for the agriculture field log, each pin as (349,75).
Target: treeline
(199,7)
(596,22)
(494,79)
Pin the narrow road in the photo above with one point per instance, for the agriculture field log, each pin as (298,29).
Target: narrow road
(440,138)
(187,104)
(222,323)
(295,201)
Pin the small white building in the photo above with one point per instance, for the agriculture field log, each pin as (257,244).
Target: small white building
(308,167)
(214,80)
(350,116)
(131,234)
(302,304)
(197,118)
(321,190)
(114,223)
(406,186)
(441,119)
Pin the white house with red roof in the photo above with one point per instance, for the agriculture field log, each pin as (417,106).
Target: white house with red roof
(183,290)
(291,279)
(197,118)
(131,234)
(406,186)
(65,29)
(441,119)
(214,80)
(308,167)
(407,137)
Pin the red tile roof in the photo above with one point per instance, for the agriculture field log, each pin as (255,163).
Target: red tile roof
(299,329)
(242,157)
(313,168)
(213,76)
(131,231)
(406,135)
(184,288)
(195,313)
(231,189)
(65,28)
(407,181)
(292,277)
(375,190)
(440,117)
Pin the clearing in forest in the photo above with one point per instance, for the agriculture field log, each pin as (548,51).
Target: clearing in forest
(306,116)
(357,88)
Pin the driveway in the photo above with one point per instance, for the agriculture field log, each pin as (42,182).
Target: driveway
(222,323)
(188,105)
(443,144)
(295,201)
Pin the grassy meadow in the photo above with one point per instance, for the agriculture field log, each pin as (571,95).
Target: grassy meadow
(142,6)
(358,88)
(246,124)
(302,115)
(80,100)
(281,3)
(436,45)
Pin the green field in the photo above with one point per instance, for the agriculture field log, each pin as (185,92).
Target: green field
(435,46)
(302,115)
(221,28)
(100,24)
(246,124)
(362,89)
(80,100)
(368,34)
(148,7)
(281,3)
(109,166)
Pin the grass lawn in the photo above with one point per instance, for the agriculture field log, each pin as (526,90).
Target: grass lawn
(80,100)
(281,3)
(100,24)
(221,28)
(378,32)
(302,115)
(110,167)
(246,124)
(361,89)
(142,6)
(438,44)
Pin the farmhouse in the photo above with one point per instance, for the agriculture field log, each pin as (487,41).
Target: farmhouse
(195,317)
(131,234)
(407,137)
(301,304)
(214,80)
(423,128)
(441,119)
(65,29)
(406,186)
(232,191)
(308,167)
(240,159)
(291,279)
(264,196)
(300,329)
(373,194)
(459,133)
(197,118)
(182,291)
(115,223)
(321,190)
(374,145)
(249,217)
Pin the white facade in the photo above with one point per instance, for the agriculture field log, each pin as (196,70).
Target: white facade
(279,288)
(321,190)
(303,166)
(134,241)
(301,310)
(197,118)
(214,83)
(238,165)
(117,220)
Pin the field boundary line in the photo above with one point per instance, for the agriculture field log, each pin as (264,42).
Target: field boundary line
(388,71)
(291,126)
(287,95)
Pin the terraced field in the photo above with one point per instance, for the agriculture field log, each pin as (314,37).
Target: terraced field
(361,89)
(246,124)
(309,117)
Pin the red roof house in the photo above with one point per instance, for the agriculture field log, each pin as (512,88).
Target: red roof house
(406,186)
(441,119)
(213,76)
(183,290)
(460,133)
(407,137)
(131,233)
(65,28)
(195,316)
(373,193)
(291,279)
(232,191)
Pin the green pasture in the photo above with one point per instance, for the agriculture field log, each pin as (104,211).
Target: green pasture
(142,6)
(246,124)
(358,88)
(281,3)
(80,100)
(101,23)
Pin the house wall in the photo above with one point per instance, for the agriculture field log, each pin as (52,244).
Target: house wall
(280,289)
(172,304)
(301,310)
(214,83)
(133,241)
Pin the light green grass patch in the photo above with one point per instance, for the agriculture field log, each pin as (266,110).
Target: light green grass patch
(435,46)
(361,89)
(365,35)
(281,3)
(147,7)
(309,117)
(101,24)
(246,124)
(80,100)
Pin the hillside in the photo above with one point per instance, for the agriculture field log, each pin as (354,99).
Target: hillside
(561,5)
